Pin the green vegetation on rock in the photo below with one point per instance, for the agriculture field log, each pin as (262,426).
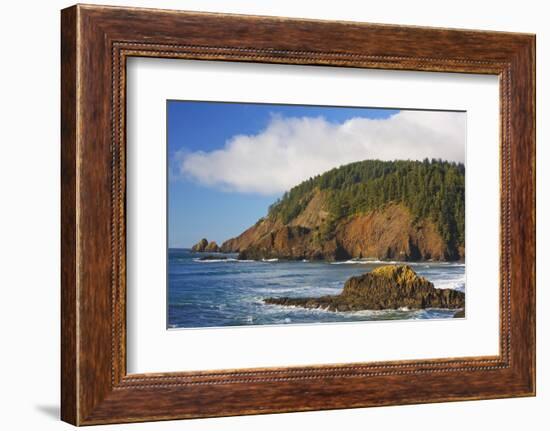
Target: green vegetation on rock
(432,190)
(387,287)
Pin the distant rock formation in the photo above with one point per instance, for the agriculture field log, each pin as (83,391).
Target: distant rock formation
(386,287)
(212,247)
(388,233)
(200,246)
(204,245)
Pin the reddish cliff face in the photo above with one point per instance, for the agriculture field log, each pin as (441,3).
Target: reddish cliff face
(252,236)
(387,233)
(390,233)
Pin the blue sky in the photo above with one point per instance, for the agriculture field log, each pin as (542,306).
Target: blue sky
(229,161)
(197,210)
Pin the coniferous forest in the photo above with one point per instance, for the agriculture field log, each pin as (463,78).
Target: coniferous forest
(431,189)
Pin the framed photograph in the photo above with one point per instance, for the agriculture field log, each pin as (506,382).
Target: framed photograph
(292,191)
(265,215)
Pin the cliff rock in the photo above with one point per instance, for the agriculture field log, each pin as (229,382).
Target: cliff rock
(372,209)
(390,232)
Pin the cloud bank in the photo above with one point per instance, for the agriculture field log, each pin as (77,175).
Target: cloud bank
(291,150)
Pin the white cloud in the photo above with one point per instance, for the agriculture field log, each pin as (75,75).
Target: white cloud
(291,150)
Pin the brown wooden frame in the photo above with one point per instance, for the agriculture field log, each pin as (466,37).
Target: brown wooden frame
(95,43)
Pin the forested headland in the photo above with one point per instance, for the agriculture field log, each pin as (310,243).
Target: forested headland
(403,210)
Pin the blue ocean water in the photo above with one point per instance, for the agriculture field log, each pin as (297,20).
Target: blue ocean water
(229,292)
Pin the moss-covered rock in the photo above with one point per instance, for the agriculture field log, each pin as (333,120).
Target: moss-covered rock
(213,257)
(387,287)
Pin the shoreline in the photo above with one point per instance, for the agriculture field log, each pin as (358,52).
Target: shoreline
(458,262)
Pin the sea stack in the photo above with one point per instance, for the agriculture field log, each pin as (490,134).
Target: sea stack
(200,246)
(212,247)
(204,245)
(384,288)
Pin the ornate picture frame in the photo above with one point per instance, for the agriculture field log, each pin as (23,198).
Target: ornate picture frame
(96,41)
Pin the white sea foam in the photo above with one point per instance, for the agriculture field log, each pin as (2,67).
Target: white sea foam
(450,281)
(370,314)
(373,261)
(427,264)
(350,261)
(301,290)
(270,260)
(457,284)
(197,259)
(228,260)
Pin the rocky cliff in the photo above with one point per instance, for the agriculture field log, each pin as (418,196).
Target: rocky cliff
(406,211)
(387,287)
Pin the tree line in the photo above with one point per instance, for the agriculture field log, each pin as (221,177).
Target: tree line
(431,189)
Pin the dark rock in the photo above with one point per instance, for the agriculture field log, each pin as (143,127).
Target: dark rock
(212,257)
(386,287)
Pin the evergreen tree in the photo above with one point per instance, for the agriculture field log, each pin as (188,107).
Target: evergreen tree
(431,189)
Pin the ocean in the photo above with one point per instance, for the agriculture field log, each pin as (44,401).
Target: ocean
(229,292)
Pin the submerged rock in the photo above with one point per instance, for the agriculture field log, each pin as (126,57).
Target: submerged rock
(386,287)
(212,257)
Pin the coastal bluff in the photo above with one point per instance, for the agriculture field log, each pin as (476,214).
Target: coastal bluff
(405,211)
(384,288)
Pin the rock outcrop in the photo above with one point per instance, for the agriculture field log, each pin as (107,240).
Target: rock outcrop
(386,287)
(204,245)
(389,233)
(200,246)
